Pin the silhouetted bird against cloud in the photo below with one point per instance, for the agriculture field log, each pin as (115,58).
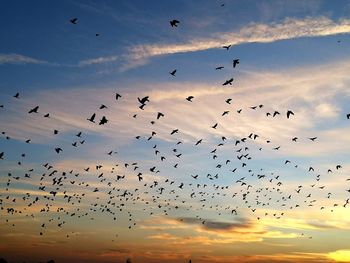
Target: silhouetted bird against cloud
(159,115)
(34,110)
(117,96)
(92,118)
(190,98)
(16,95)
(143,100)
(103,121)
(227,47)
(228,82)
(289,112)
(103,107)
(235,62)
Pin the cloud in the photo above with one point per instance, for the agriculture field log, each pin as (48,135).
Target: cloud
(217,226)
(340,255)
(290,28)
(19,59)
(96,61)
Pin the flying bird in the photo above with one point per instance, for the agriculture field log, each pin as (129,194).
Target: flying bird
(289,112)
(228,82)
(58,150)
(159,115)
(235,62)
(218,68)
(174,23)
(74,20)
(117,96)
(143,100)
(189,98)
(92,118)
(103,121)
(34,110)
(173,72)
(227,47)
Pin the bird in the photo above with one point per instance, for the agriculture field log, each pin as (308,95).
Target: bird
(199,141)
(174,131)
(215,125)
(227,47)
(348,116)
(143,100)
(275,113)
(74,20)
(173,72)
(313,139)
(103,121)
(159,115)
(92,118)
(220,67)
(174,23)
(117,96)
(103,107)
(16,95)
(289,112)
(235,62)
(190,98)
(228,101)
(2,155)
(34,110)
(58,150)
(228,82)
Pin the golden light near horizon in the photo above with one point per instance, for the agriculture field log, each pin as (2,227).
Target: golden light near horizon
(340,255)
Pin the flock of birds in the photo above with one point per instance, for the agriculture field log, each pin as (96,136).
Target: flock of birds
(254,192)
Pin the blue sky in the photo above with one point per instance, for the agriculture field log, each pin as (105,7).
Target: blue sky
(294,55)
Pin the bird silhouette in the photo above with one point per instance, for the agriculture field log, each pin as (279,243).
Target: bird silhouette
(174,23)
(103,121)
(190,98)
(173,72)
(235,62)
(226,47)
(117,96)
(289,113)
(92,118)
(34,110)
(228,82)
(74,20)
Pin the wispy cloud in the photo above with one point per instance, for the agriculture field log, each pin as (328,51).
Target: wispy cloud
(96,61)
(19,59)
(290,28)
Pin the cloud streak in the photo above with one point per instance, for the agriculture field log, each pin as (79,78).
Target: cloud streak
(97,61)
(290,28)
(19,59)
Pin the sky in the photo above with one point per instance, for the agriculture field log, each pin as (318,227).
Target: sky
(215,178)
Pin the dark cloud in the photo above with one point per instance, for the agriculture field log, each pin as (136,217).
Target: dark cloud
(207,224)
